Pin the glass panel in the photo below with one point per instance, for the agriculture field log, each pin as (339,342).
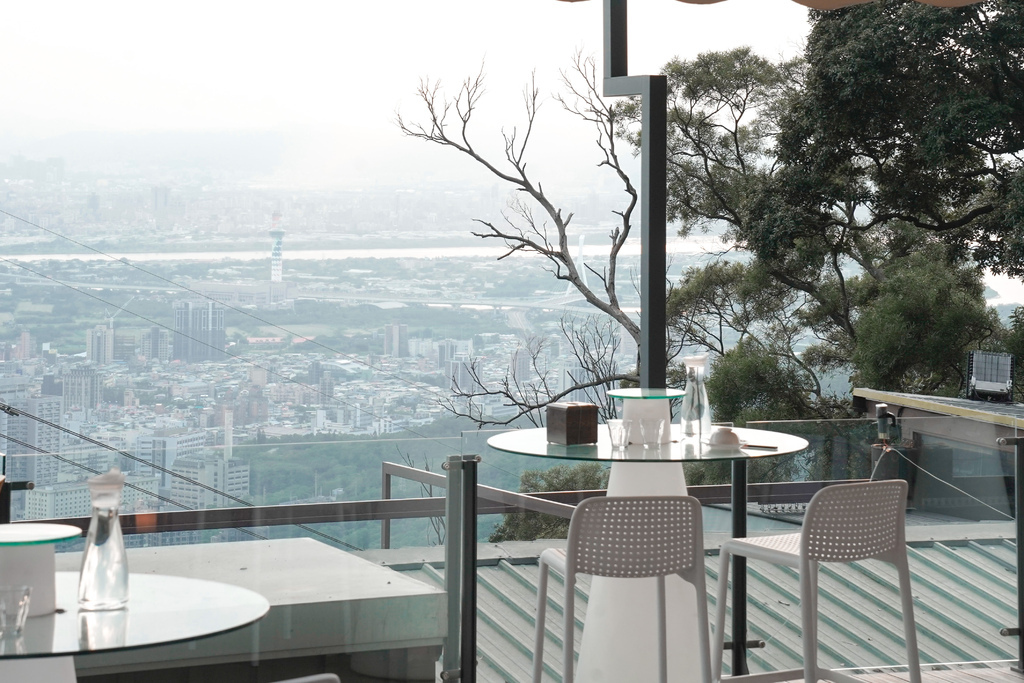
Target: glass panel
(314,573)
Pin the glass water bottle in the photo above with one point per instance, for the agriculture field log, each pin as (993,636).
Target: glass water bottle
(695,411)
(103,583)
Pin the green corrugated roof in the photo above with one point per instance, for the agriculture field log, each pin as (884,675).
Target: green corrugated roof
(964,591)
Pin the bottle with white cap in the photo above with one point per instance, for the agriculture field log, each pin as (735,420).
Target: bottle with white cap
(103,583)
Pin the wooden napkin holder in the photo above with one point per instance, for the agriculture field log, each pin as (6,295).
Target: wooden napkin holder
(572,423)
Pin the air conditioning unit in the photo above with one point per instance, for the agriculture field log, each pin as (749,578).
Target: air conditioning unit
(990,376)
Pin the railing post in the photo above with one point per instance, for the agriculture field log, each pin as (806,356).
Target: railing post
(1018,506)
(385,524)
(458,661)
(739,569)
(5,502)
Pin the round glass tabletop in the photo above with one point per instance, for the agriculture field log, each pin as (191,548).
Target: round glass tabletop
(755,443)
(161,610)
(646,393)
(36,534)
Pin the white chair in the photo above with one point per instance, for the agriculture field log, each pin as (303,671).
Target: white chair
(316,678)
(843,523)
(628,537)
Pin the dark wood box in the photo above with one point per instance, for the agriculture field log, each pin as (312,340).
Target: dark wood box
(572,423)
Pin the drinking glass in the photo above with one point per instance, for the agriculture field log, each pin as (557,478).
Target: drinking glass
(651,431)
(14,601)
(618,433)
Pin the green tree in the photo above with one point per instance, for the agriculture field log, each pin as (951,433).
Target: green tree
(865,182)
(529,526)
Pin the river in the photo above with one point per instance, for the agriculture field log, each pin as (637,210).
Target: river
(692,246)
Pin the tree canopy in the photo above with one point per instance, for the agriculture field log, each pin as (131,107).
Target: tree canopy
(870,183)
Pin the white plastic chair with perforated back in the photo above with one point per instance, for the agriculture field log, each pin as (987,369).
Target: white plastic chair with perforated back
(628,537)
(843,523)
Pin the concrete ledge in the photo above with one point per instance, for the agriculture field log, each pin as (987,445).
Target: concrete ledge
(323,601)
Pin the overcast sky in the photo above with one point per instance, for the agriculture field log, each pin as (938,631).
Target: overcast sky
(330,75)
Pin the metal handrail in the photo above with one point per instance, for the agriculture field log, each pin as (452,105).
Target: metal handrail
(485,494)
(492,501)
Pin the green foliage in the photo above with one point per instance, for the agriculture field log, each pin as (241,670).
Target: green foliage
(868,182)
(914,335)
(749,383)
(913,113)
(529,526)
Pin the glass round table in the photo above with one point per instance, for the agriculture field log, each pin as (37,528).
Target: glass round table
(754,443)
(161,610)
(619,637)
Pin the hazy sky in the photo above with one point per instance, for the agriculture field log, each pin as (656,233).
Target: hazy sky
(330,75)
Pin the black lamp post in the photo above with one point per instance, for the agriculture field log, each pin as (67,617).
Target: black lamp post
(653,91)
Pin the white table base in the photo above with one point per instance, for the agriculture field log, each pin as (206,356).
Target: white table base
(620,633)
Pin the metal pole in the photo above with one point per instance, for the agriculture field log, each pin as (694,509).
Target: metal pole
(1018,506)
(653,91)
(615,53)
(653,181)
(739,569)
(385,524)
(451,660)
(458,661)
(468,492)
(5,502)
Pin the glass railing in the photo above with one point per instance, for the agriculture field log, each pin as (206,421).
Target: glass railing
(321,512)
(303,528)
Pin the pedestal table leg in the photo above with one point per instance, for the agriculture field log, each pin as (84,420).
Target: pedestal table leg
(620,630)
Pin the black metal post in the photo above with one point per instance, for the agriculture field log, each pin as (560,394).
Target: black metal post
(451,659)
(385,524)
(458,660)
(469,477)
(5,502)
(653,91)
(739,570)
(1018,507)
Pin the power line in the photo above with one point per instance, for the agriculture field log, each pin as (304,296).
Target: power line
(15,412)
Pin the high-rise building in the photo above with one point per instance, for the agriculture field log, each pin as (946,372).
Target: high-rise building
(198,331)
(163,447)
(156,344)
(99,345)
(326,389)
(461,374)
(22,437)
(224,475)
(396,340)
(251,406)
(125,344)
(445,352)
(276,251)
(522,365)
(316,371)
(72,499)
(26,346)
(81,388)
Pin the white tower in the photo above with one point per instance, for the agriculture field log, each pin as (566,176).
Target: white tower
(277,234)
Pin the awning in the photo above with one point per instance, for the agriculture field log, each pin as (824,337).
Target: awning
(836,4)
